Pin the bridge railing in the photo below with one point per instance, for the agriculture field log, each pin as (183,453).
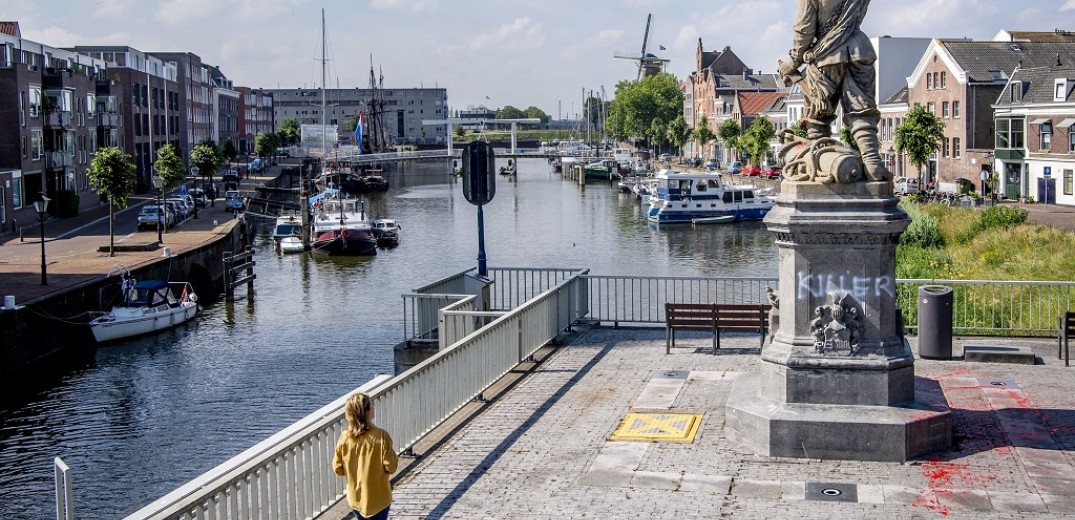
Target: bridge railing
(290,474)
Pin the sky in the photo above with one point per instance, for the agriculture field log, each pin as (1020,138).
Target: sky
(485,52)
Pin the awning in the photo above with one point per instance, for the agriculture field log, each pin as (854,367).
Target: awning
(1040,121)
(1066,123)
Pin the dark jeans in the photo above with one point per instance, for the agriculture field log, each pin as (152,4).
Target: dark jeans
(383,515)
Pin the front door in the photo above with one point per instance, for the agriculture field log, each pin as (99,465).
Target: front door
(1047,190)
(1013,172)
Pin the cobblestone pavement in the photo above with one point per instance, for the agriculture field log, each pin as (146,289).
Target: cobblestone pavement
(542,448)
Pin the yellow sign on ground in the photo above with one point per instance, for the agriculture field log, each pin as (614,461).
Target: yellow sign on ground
(665,427)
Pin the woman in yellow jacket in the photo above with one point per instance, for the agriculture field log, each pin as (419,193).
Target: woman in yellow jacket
(365,456)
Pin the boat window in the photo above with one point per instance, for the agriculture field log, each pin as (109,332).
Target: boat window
(713,183)
(739,196)
(727,198)
(701,187)
(139,297)
(684,186)
(748,194)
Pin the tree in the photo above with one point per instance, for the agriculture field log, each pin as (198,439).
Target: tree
(207,158)
(702,133)
(459,131)
(729,132)
(798,130)
(638,104)
(919,137)
(111,173)
(228,151)
(537,113)
(264,144)
(290,133)
(678,132)
(510,112)
(756,141)
(170,167)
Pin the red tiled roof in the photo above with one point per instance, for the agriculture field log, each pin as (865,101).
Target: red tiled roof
(754,103)
(10,29)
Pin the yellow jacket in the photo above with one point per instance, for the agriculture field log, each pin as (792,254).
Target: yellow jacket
(368,462)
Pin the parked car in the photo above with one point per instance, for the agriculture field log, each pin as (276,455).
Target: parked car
(199,196)
(771,172)
(176,209)
(184,208)
(711,165)
(905,185)
(735,167)
(257,165)
(664,157)
(148,217)
(233,201)
(752,170)
(232,175)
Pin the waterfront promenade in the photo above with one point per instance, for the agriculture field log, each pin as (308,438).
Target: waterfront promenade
(541,448)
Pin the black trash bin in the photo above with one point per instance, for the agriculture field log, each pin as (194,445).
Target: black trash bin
(935,322)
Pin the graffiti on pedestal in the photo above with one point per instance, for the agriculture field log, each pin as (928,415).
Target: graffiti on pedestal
(861,287)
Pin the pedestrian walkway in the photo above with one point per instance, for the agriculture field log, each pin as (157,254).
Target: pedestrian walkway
(543,448)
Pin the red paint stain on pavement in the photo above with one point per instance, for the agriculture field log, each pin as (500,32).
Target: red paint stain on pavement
(948,475)
(930,503)
(1020,400)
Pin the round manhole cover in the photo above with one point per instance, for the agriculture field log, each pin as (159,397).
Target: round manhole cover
(831,492)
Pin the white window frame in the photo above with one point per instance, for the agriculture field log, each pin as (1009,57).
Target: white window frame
(1045,136)
(35,101)
(38,153)
(1060,89)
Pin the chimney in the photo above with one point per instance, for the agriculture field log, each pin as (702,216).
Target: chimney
(746,74)
(1058,64)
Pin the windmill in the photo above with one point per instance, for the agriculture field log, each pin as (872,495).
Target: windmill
(648,63)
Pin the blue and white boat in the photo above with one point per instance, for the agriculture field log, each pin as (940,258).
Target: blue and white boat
(685,197)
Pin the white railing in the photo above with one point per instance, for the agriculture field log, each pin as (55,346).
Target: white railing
(290,474)
(65,509)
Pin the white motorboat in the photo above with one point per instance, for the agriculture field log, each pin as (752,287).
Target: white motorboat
(147,306)
(723,219)
(686,197)
(290,244)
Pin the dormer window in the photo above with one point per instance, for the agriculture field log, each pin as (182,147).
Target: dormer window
(1061,87)
(1017,92)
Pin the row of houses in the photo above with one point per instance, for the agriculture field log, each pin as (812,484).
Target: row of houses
(58,106)
(1006,104)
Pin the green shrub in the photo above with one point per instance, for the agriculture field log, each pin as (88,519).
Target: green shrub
(1002,216)
(924,230)
(964,186)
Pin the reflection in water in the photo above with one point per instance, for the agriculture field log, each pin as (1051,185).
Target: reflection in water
(146,415)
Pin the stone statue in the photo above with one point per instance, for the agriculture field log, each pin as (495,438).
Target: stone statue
(839,72)
(774,312)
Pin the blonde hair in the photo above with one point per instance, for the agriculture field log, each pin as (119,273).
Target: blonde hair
(357,412)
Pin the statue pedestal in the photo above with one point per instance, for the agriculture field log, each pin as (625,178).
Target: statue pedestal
(837,382)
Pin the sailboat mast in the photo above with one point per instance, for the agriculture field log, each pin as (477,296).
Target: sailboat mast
(324,134)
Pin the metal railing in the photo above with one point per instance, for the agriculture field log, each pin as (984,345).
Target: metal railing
(984,308)
(65,509)
(290,474)
(641,299)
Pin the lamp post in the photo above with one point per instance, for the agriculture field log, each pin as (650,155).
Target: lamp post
(158,183)
(194,173)
(42,206)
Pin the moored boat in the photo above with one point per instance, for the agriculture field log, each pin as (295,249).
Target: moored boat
(290,245)
(684,197)
(148,306)
(341,228)
(386,231)
(723,219)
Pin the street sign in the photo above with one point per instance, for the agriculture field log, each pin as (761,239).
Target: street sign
(1047,171)
(479,182)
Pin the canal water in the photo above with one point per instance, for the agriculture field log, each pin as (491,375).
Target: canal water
(145,416)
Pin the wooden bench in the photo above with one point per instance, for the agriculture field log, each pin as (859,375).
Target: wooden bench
(714,317)
(1067,332)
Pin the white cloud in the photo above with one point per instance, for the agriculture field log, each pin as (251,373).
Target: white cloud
(112,9)
(401,5)
(1068,6)
(521,32)
(175,12)
(59,37)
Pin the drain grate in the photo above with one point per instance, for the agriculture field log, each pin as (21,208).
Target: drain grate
(663,427)
(986,382)
(670,374)
(831,492)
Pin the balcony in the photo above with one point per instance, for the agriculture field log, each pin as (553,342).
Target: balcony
(107,119)
(58,160)
(58,119)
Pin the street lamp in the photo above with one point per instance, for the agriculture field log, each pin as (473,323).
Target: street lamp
(194,173)
(42,206)
(158,183)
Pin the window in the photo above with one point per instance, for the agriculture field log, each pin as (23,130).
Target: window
(36,143)
(1071,139)
(944,110)
(1068,182)
(22,113)
(955,110)
(931,107)
(929,81)
(16,192)
(944,148)
(1060,89)
(35,101)
(1016,92)
(944,79)
(1045,136)
(955,148)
